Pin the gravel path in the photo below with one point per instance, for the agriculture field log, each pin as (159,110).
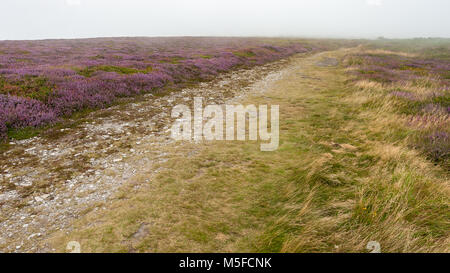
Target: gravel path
(48,181)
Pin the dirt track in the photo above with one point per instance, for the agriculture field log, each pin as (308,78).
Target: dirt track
(48,181)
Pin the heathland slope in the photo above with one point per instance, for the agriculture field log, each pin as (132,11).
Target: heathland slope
(345,174)
(363,156)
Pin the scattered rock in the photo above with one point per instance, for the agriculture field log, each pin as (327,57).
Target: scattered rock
(141,232)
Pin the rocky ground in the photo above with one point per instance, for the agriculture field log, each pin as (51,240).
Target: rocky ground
(48,181)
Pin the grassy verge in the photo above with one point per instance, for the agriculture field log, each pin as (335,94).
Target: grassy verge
(344,175)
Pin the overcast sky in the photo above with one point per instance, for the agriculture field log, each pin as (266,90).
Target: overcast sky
(40,19)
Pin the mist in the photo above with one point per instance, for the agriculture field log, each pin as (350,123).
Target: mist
(43,19)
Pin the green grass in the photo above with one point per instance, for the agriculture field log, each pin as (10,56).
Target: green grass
(30,86)
(244,54)
(172,60)
(89,71)
(23,133)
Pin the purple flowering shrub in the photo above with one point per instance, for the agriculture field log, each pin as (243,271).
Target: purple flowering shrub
(43,80)
(437,145)
(16,112)
(389,68)
(418,87)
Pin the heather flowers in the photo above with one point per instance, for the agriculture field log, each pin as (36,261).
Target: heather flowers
(417,87)
(43,80)
(16,112)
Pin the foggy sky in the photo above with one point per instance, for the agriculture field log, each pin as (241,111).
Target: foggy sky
(41,19)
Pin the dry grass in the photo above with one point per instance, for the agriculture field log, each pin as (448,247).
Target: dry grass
(343,176)
(388,52)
